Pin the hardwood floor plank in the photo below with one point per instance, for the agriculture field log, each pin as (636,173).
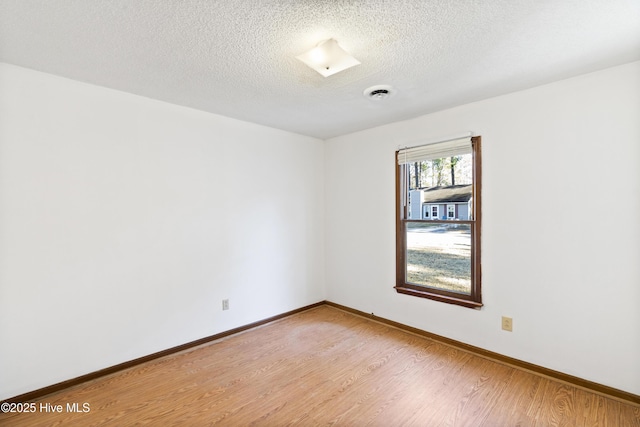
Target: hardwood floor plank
(454,397)
(515,400)
(325,366)
(558,404)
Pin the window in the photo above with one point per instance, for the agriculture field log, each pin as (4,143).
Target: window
(435,214)
(438,257)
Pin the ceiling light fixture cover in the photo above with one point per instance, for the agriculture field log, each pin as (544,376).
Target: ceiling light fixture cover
(328,58)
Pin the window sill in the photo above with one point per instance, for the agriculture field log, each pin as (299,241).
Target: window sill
(439,297)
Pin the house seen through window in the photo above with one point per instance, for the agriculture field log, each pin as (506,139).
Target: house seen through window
(438,221)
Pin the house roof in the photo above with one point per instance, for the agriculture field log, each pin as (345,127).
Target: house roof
(449,194)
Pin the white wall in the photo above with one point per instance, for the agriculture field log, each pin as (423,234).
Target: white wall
(570,280)
(124,222)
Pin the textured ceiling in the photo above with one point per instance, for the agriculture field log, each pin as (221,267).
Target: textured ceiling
(237,58)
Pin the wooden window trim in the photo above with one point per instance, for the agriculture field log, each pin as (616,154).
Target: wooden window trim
(474,300)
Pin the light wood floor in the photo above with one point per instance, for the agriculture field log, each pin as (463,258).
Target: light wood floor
(324,367)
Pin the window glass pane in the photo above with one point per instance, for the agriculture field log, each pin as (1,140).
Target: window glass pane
(439,256)
(444,172)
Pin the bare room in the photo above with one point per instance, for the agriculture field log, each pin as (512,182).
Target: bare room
(279,212)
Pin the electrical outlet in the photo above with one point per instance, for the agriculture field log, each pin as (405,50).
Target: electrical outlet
(507,323)
(225,304)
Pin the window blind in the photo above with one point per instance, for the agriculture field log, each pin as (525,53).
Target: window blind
(437,150)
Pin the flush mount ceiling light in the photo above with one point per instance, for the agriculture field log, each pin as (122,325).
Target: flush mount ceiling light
(328,58)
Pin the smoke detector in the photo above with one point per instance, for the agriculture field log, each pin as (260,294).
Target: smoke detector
(379,92)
